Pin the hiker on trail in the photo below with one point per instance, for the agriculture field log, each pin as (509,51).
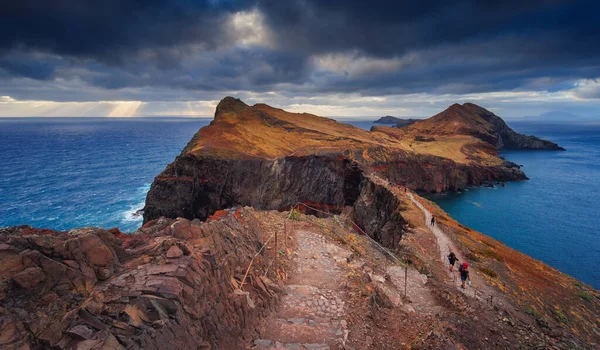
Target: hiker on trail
(463,269)
(452,259)
(432,221)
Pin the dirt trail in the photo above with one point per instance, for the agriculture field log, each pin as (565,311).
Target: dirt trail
(444,243)
(479,289)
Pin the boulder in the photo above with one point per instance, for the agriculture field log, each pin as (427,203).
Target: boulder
(29,278)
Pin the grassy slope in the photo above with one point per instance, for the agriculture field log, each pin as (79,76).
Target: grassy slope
(540,290)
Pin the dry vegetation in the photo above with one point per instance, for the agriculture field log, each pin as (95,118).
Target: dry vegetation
(539,290)
(256,131)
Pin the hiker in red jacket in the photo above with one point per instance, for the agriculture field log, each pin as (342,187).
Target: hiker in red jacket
(463,269)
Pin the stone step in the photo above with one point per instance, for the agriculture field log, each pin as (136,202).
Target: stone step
(308,301)
(303,331)
(269,344)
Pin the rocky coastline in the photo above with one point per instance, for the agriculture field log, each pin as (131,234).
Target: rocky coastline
(204,268)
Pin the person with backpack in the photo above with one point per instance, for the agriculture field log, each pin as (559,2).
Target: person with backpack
(432,221)
(463,269)
(452,260)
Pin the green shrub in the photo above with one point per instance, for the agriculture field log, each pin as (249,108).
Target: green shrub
(295,214)
(489,272)
(584,295)
(533,312)
(560,317)
(491,254)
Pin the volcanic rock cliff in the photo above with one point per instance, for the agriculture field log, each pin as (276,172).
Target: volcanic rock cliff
(271,159)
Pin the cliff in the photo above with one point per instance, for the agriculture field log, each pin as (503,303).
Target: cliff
(473,120)
(207,273)
(172,284)
(271,159)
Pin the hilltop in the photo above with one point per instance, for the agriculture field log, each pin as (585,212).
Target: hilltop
(471,119)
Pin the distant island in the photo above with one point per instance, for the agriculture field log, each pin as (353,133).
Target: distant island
(397,122)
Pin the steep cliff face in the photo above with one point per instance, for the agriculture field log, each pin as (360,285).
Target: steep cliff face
(271,159)
(173,285)
(194,187)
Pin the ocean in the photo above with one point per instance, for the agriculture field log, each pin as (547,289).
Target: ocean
(63,173)
(553,216)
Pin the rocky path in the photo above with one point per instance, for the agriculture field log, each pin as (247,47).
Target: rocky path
(311,314)
(444,243)
(314,312)
(478,290)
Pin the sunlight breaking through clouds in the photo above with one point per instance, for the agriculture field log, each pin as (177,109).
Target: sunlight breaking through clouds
(125,108)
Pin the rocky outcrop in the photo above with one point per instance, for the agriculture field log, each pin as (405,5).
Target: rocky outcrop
(194,187)
(267,158)
(172,285)
(471,119)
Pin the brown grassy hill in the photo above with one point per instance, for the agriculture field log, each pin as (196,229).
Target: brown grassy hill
(242,131)
(473,120)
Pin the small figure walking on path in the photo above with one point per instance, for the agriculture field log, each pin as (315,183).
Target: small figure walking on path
(432,221)
(452,259)
(464,273)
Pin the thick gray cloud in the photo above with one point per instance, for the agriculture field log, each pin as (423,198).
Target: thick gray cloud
(175,50)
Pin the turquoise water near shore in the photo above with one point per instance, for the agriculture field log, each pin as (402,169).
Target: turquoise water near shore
(553,216)
(62,173)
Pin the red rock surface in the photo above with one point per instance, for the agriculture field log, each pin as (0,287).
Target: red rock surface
(173,284)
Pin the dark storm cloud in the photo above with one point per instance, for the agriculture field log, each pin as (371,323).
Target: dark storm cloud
(387,46)
(392,27)
(107,29)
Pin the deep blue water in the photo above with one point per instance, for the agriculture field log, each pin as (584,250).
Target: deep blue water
(554,215)
(63,173)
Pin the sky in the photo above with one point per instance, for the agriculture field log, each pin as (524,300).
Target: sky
(342,58)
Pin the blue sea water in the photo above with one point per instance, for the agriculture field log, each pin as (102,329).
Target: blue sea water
(553,216)
(62,173)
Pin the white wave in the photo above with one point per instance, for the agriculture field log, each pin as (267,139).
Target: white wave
(135,212)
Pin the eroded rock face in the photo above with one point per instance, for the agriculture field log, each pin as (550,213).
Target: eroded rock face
(196,188)
(378,211)
(173,285)
(267,158)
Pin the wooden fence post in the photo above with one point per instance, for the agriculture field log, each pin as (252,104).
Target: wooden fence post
(405,278)
(285,238)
